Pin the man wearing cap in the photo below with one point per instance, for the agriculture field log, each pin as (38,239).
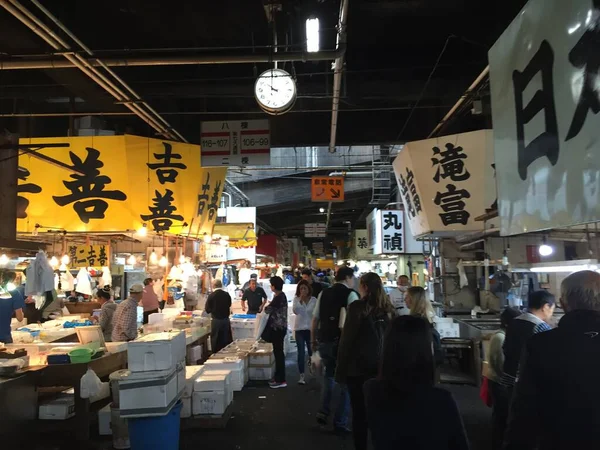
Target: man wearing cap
(125,318)
(255,296)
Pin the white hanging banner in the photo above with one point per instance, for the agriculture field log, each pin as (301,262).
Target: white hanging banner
(361,244)
(545,105)
(447,182)
(385,232)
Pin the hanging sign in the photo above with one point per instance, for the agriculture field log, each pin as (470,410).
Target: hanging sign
(315,230)
(361,244)
(122,182)
(446,182)
(88,256)
(327,189)
(385,229)
(545,105)
(235,143)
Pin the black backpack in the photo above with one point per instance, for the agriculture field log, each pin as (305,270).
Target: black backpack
(370,345)
(333,299)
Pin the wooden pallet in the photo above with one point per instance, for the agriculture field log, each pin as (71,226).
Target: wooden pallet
(208,422)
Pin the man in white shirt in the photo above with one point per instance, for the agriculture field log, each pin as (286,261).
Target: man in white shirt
(397,296)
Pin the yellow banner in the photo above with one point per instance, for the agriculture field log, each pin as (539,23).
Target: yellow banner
(88,255)
(125,181)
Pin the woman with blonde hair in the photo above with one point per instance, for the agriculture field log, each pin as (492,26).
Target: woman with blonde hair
(361,348)
(420,306)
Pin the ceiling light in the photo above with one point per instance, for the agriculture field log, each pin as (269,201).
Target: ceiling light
(54,262)
(566,268)
(143,230)
(321,210)
(182,259)
(131,260)
(153,257)
(312,35)
(207,238)
(3,260)
(163,261)
(65,259)
(545,249)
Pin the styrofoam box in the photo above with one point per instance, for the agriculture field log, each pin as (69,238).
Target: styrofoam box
(157,351)
(61,408)
(186,408)
(191,375)
(261,373)
(261,357)
(215,380)
(194,354)
(243,323)
(144,394)
(236,366)
(212,403)
(104,421)
(448,330)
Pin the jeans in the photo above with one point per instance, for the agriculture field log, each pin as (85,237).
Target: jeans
(278,337)
(302,343)
(328,352)
(500,408)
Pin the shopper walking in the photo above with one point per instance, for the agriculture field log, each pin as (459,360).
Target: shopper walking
(404,409)
(218,305)
(303,307)
(276,330)
(498,392)
(328,321)
(557,397)
(361,348)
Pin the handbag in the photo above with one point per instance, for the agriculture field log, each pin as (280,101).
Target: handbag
(267,334)
(484,392)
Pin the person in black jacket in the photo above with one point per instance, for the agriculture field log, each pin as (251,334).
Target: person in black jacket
(420,306)
(556,404)
(361,348)
(404,409)
(218,305)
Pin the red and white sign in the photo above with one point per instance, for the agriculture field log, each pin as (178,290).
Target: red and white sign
(235,143)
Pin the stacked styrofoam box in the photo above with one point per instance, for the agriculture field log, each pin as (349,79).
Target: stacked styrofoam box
(242,328)
(191,375)
(234,364)
(155,378)
(446,327)
(261,363)
(212,393)
(193,355)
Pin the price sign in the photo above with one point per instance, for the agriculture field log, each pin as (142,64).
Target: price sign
(235,143)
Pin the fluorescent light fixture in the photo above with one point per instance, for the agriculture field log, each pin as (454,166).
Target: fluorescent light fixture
(565,266)
(312,35)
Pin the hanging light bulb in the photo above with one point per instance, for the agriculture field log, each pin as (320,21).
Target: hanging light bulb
(3,260)
(163,261)
(223,242)
(131,260)
(545,249)
(182,259)
(153,257)
(143,230)
(54,262)
(207,238)
(65,259)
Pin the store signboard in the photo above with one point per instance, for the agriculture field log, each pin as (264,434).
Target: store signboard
(361,244)
(235,143)
(122,182)
(315,230)
(385,230)
(446,182)
(318,248)
(327,189)
(88,256)
(216,253)
(545,105)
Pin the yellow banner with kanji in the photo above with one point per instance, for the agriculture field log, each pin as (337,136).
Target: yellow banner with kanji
(120,183)
(88,255)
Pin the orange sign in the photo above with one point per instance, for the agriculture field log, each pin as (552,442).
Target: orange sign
(327,189)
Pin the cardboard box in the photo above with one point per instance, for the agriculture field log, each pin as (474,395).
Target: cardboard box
(61,408)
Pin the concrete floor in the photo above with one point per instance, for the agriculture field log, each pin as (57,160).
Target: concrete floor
(285,419)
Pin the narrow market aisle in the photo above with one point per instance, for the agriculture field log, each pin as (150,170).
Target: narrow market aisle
(264,418)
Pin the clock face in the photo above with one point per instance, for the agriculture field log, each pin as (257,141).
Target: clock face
(275,91)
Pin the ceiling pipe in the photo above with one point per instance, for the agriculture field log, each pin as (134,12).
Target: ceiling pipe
(40,29)
(110,71)
(252,58)
(351,174)
(460,101)
(338,67)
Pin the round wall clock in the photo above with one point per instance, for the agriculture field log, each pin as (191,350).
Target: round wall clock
(275,91)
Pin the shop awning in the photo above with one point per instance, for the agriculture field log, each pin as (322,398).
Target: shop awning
(241,235)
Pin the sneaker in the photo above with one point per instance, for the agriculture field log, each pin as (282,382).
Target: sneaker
(278,385)
(272,382)
(302,380)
